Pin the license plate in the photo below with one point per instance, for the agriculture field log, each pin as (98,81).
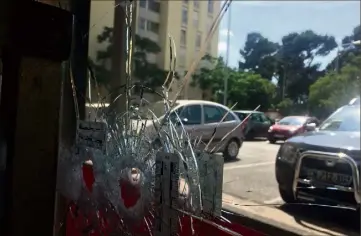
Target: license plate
(279,136)
(328,177)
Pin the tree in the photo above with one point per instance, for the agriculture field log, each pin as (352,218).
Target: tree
(210,77)
(297,55)
(348,51)
(149,74)
(336,89)
(247,89)
(292,62)
(258,55)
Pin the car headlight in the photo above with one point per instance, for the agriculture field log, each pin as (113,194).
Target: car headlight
(270,129)
(293,130)
(287,153)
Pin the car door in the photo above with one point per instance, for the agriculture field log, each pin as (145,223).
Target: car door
(191,118)
(256,124)
(213,126)
(264,125)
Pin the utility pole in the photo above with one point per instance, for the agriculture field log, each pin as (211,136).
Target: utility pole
(225,96)
(341,52)
(284,81)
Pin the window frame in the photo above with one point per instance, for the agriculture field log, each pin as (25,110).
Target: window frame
(185,107)
(142,20)
(145,4)
(183,44)
(155,24)
(196,5)
(198,40)
(210,7)
(222,112)
(184,16)
(153,6)
(196,19)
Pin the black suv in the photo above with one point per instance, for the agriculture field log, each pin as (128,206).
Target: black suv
(323,166)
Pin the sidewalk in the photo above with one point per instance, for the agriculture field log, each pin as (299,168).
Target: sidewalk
(274,221)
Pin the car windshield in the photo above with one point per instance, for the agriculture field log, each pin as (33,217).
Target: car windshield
(292,120)
(344,119)
(241,115)
(157,109)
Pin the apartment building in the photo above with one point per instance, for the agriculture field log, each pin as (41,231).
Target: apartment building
(188,22)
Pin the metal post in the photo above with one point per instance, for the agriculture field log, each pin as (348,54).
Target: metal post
(338,61)
(284,82)
(340,52)
(119,55)
(225,96)
(79,58)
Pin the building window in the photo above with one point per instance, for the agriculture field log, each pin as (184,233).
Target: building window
(142,23)
(198,40)
(210,7)
(183,37)
(143,3)
(196,19)
(196,4)
(209,23)
(184,16)
(152,26)
(154,5)
(182,57)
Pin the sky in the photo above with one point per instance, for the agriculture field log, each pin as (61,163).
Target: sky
(274,19)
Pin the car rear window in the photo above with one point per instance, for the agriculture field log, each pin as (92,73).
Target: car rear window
(241,115)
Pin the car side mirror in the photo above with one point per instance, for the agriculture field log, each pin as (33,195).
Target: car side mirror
(311,127)
(185,121)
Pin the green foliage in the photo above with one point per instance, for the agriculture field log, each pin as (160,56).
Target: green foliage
(247,89)
(291,63)
(258,54)
(346,54)
(336,89)
(148,73)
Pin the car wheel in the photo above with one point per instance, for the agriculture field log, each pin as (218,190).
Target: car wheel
(272,140)
(287,195)
(250,135)
(232,149)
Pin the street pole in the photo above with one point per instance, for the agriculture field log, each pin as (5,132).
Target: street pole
(227,57)
(284,82)
(340,53)
(338,61)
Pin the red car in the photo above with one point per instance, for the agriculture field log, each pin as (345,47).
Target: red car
(290,126)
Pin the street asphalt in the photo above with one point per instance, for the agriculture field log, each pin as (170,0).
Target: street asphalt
(252,175)
(251,178)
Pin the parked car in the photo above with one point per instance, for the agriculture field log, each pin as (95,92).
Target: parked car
(201,119)
(257,125)
(290,126)
(322,166)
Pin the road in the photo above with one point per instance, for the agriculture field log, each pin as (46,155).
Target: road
(252,175)
(251,178)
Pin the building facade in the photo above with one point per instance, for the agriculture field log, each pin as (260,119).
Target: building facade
(188,22)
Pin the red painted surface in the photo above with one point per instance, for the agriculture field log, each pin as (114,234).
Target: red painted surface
(102,224)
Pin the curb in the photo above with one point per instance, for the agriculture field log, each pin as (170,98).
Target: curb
(259,223)
(272,221)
